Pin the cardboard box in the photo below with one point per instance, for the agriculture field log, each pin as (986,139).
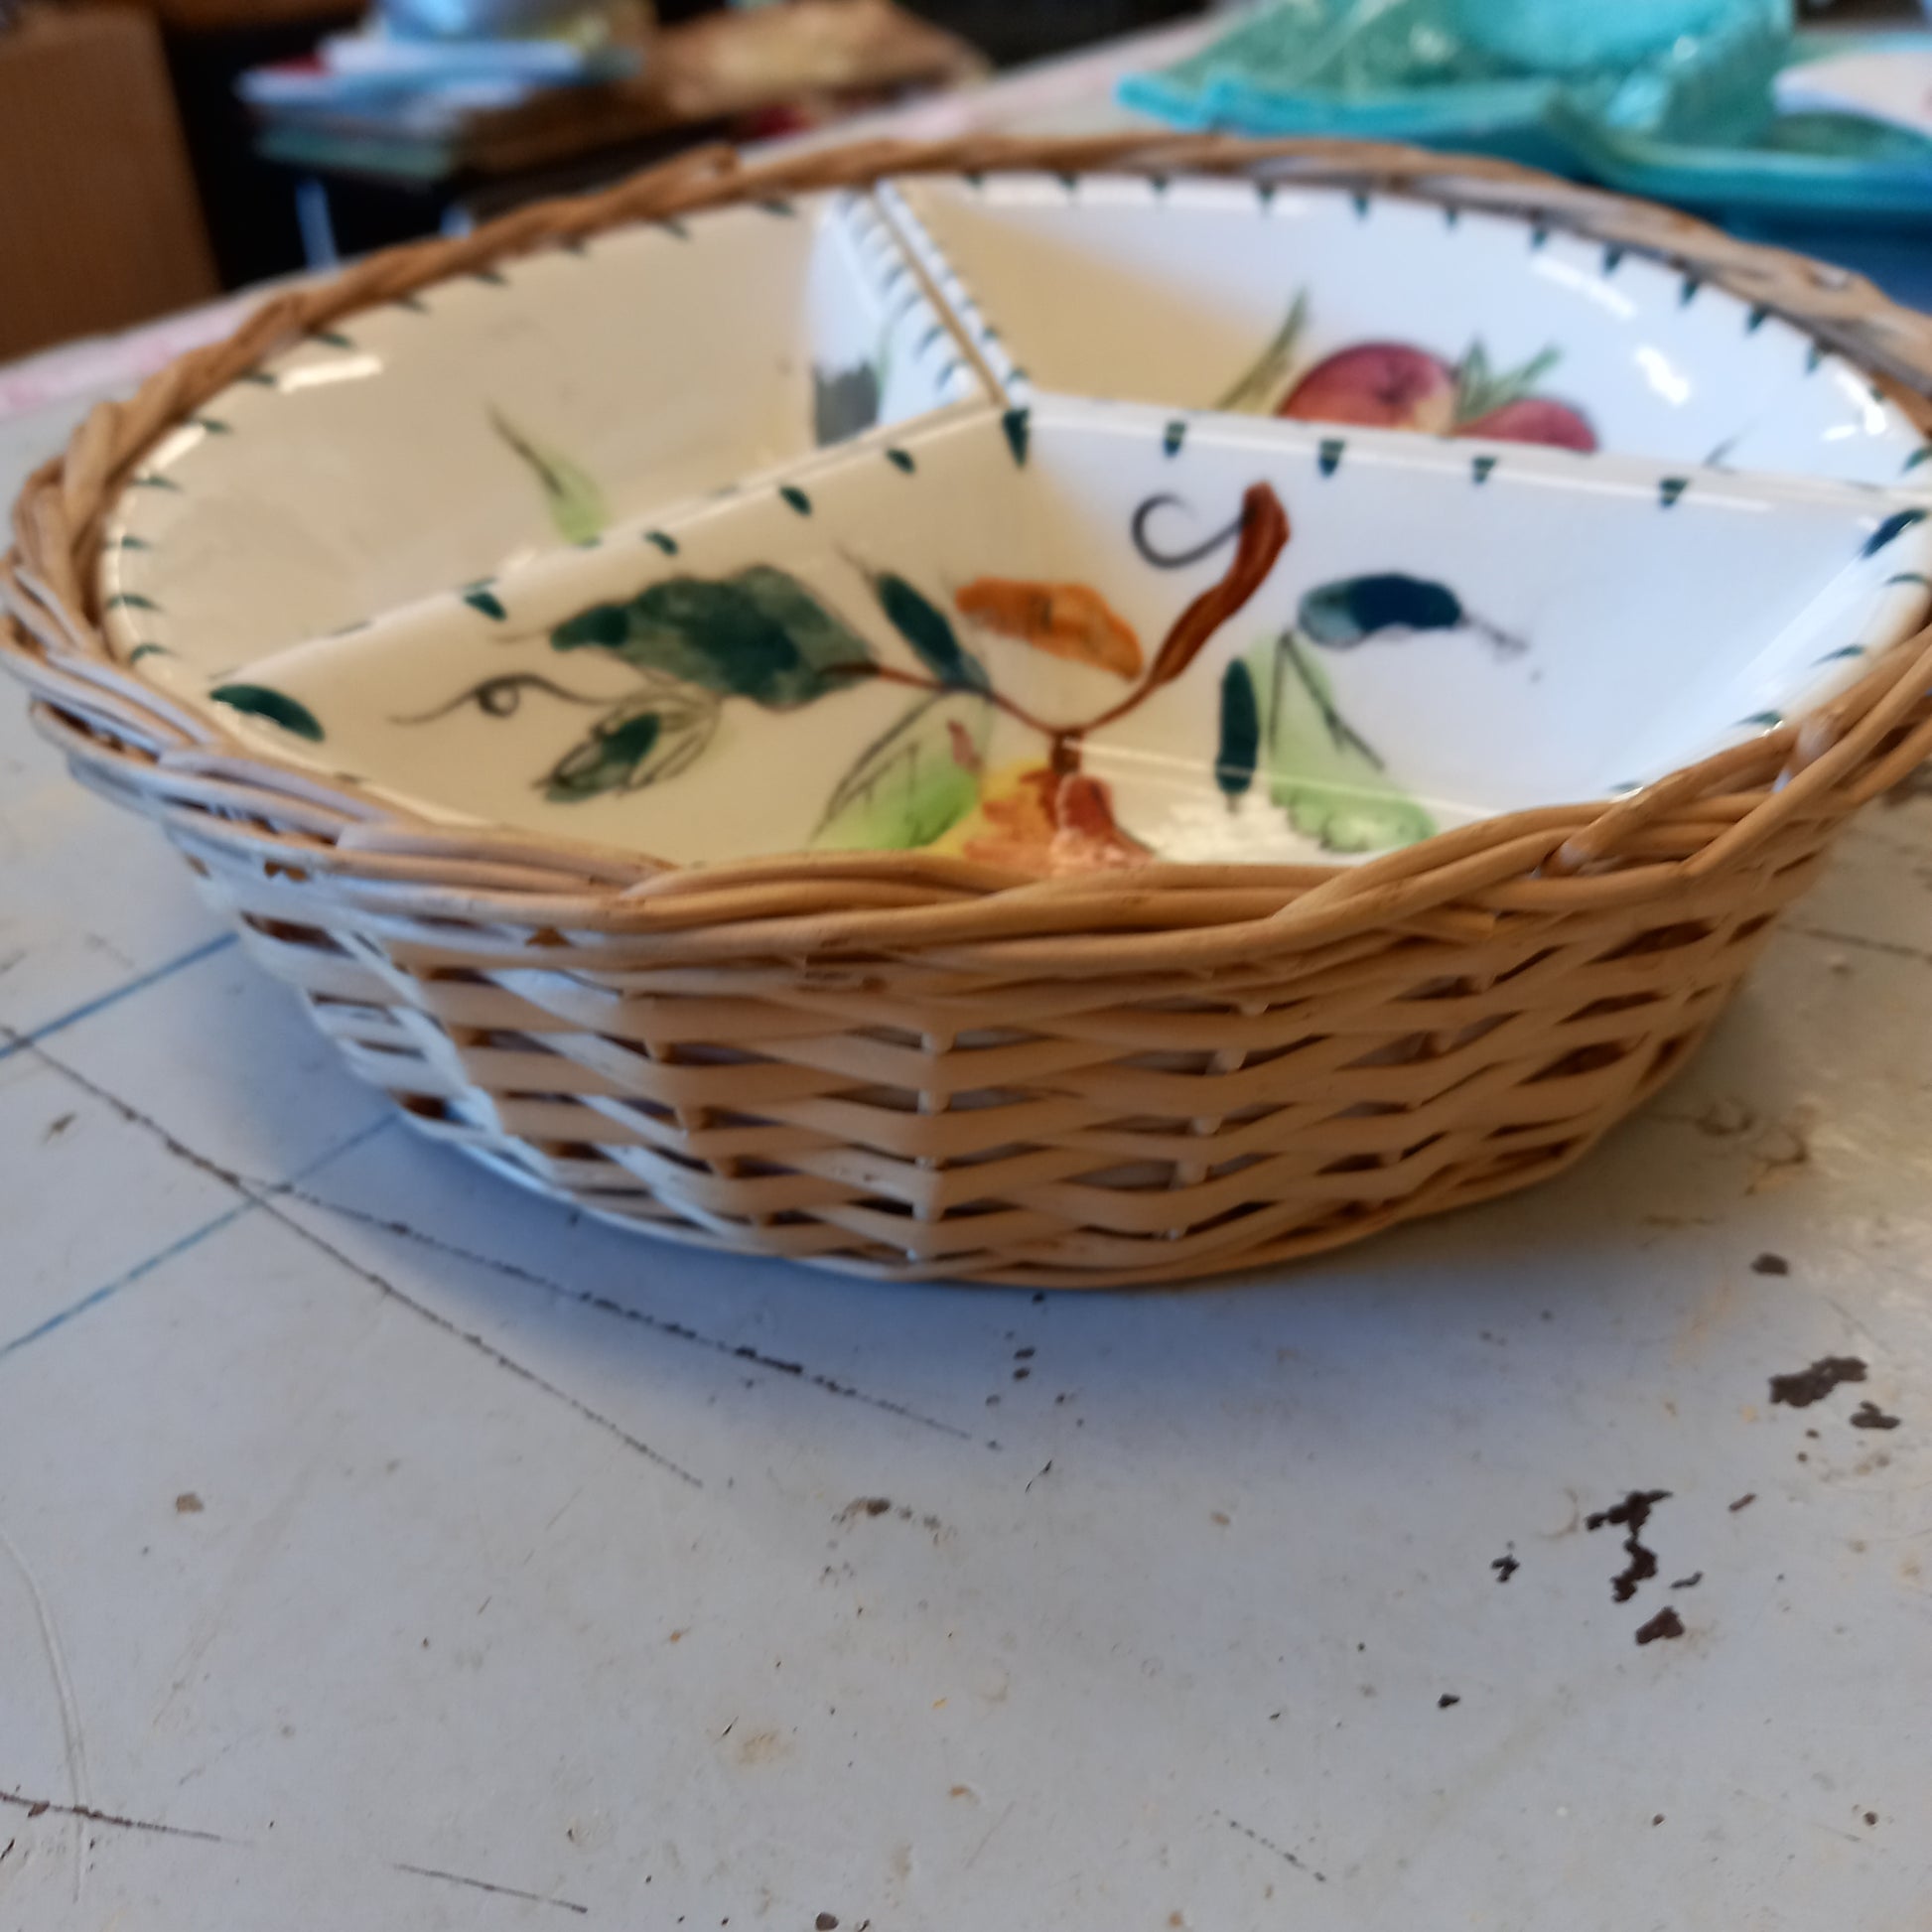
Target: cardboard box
(100,225)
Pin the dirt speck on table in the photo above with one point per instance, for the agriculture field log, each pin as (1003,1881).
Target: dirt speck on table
(1803,1386)
(1632,1514)
(1666,1623)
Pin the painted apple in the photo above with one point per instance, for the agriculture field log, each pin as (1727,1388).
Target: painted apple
(1383,385)
(1395,385)
(1534,419)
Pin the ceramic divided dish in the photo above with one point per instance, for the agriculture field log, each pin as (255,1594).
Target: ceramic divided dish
(1054,524)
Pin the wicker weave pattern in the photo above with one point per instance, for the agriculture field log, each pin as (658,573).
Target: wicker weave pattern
(914,1067)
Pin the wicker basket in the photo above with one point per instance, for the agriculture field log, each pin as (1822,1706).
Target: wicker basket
(913,1066)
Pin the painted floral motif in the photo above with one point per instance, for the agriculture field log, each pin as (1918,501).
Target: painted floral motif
(763,636)
(1397,385)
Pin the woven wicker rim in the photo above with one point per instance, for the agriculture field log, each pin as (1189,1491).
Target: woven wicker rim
(130,741)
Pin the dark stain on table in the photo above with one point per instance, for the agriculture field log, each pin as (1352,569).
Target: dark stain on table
(1632,1514)
(1666,1623)
(1803,1386)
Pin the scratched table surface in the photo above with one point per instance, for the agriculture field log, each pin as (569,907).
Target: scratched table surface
(383,1548)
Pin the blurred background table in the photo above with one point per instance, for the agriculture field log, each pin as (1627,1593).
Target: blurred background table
(361,181)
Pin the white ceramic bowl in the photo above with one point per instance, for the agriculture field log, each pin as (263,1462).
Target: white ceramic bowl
(1052,524)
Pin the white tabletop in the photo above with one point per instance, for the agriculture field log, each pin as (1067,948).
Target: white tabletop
(381,1548)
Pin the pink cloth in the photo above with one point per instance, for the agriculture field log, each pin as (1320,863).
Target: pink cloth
(117,364)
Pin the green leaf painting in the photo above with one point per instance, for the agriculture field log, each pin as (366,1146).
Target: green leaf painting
(641,742)
(929,630)
(276,706)
(913,783)
(1320,770)
(571,494)
(757,633)
(1481,390)
(1258,386)
(1240,743)
(609,759)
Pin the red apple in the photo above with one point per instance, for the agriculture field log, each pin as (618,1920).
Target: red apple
(1386,385)
(1534,419)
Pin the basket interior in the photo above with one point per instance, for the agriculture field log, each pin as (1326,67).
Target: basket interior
(771,528)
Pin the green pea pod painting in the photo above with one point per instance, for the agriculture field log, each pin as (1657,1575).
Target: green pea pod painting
(1281,723)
